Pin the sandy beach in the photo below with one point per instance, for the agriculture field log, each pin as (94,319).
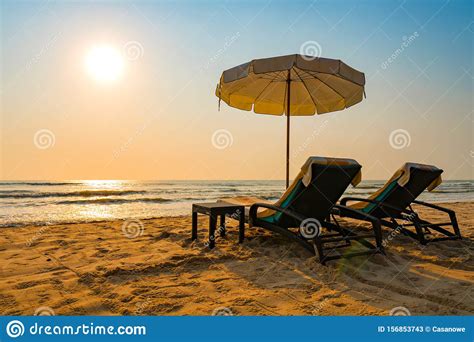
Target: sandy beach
(95,269)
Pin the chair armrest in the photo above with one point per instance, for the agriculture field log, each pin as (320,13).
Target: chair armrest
(255,206)
(434,206)
(380,204)
(354,213)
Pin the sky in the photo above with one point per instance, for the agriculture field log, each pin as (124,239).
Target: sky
(159,119)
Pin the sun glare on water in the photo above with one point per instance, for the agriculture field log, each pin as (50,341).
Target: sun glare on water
(103,183)
(104,63)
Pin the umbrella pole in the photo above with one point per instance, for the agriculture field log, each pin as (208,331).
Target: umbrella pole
(287,150)
(288,132)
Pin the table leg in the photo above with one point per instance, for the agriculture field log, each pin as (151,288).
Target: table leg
(222,226)
(241,227)
(194,233)
(212,230)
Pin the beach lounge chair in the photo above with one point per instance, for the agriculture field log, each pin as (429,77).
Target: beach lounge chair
(394,202)
(306,208)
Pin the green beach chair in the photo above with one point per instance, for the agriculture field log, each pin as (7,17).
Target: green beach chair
(394,202)
(303,213)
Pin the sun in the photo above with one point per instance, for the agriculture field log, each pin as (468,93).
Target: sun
(104,63)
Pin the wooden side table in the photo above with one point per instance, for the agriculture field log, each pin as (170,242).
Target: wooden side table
(214,210)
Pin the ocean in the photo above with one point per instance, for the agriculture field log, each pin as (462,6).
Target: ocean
(24,203)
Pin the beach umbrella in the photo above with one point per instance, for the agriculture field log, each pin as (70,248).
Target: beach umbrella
(293,85)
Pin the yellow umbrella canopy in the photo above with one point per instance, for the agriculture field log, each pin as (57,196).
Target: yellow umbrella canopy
(293,85)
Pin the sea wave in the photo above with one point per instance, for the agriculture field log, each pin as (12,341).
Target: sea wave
(84,193)
(460,191)
(8,192)
(40,183)
(116,200)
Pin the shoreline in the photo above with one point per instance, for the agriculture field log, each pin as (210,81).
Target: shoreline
(43,224)
(96,269)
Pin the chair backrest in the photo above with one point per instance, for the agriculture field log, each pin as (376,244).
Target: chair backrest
(400,196)
(328,183)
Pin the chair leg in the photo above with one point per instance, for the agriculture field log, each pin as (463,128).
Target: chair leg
(419,231)
(212,230)
(376,226)
(194,228)
(319,247)
(454,222)
(241,228)
(222,226)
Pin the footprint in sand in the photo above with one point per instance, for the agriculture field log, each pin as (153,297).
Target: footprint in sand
(339,305)
(7,303)
(28,284)
(68,301)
